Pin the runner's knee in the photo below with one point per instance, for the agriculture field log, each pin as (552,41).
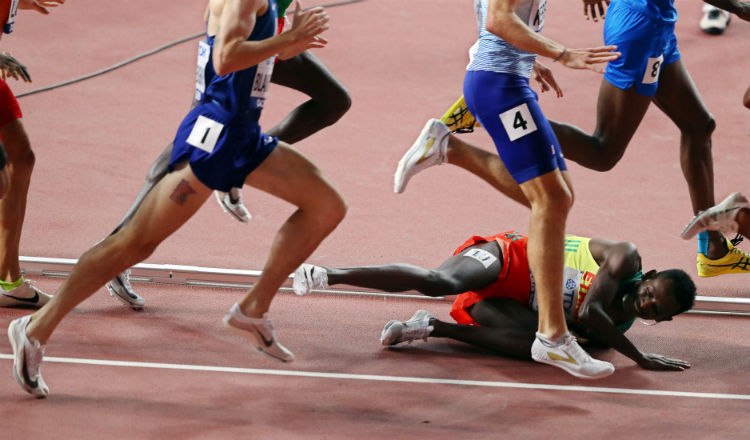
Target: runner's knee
(336,103)
(441,283)
(608,153)
(332,211)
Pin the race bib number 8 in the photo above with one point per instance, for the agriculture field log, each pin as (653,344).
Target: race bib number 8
(205,134)
(518,122)
(651,75)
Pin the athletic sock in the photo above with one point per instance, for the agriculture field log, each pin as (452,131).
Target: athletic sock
(5,285)
(703,242)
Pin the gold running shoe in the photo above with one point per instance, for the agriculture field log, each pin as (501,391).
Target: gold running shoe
(458,118)
(735,261)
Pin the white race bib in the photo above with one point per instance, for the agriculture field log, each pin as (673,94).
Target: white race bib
(536,15)
(518,122)
(204,53)
(653,67)
(262,79)
(11,21)
(205,134)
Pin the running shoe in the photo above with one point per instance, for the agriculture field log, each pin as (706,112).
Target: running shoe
(232,204)
(259,331)
(417,327)
(722,217)
(119,288)
(428,150)
(569,356)
(714,20)
(25,295)
(27,358)
(308,277)
(735,261)
(458,119)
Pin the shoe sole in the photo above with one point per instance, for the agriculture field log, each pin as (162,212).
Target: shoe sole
(253,338)
(562,365)
(399,179)
(383,334)
(229,211)
(114,294)
(33,391)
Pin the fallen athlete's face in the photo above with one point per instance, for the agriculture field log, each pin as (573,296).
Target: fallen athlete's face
(655,299)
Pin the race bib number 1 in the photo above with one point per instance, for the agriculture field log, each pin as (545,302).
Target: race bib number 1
(205,134)
(518,122)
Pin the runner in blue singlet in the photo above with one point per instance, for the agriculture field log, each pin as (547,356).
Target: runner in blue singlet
(215,134)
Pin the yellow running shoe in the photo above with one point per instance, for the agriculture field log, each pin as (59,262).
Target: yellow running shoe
(458,118)
(735,261)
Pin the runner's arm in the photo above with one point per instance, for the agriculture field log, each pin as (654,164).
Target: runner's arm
(622,262)
(503,22)
(232,51)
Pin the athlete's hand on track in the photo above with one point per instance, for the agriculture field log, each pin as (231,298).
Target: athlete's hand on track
(40,6)
(306,28)
(652,361)
(594,58)
(593,9)
(543,75)
(10,67)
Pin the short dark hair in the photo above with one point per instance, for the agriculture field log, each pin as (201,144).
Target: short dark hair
(684,288)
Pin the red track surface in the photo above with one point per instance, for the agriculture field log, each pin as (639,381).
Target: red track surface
(402,62)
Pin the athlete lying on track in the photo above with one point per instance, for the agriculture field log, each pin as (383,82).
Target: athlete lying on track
(604,290)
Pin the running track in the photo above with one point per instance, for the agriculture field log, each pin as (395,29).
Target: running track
(95,140)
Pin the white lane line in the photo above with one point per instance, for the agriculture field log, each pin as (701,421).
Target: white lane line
(403,379)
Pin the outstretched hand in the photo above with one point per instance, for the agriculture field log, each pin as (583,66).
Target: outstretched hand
(653,361)
(40,6)
(543,76)
(594,9)
(594,58)
(12,68)
(306,29)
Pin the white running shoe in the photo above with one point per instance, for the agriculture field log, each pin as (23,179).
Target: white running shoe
(417,327)
(119,288)
(25,295)
(232,204)
(308,277)
(27,358)
(722,217)
(428,150)
(569,356)
(259,331)
(714,20)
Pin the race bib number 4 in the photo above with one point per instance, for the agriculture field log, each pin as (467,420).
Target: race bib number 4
(518,122)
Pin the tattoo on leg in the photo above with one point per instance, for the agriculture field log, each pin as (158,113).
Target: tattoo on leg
(180,193)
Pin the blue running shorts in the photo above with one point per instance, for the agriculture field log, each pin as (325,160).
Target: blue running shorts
(646,45)
(222,150)
(508,109)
